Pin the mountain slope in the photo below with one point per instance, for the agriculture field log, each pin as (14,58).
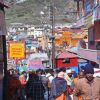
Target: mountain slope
(28,12)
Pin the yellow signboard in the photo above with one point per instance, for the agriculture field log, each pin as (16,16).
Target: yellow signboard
(16,50)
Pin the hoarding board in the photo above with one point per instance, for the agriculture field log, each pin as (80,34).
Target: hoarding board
(16,50)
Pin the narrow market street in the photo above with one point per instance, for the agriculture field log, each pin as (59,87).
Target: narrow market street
(49,49)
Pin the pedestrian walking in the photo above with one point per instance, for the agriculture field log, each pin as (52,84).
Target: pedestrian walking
(29,87)
(75,81)
(58,88)
(46,83)
(34,88)
(89,87)
(38,88)
(69,78)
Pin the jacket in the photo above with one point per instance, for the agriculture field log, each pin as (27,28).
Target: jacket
(88,90)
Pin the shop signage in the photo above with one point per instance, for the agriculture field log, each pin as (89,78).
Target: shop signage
(16,50)
(35,64)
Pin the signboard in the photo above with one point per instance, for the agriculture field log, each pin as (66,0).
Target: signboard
(35,64)
(16,50)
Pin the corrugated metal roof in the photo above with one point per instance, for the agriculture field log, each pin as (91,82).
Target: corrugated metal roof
(66,54)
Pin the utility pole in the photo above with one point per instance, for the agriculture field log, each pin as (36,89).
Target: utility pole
(52,19)
(3,83)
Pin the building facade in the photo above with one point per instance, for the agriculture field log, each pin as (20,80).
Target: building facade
(90,20)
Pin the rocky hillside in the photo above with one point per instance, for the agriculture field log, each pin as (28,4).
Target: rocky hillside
(38,11)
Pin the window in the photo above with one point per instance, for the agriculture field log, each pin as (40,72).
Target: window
(67,60)
(91,35)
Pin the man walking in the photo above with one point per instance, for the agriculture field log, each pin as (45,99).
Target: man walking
(89,87)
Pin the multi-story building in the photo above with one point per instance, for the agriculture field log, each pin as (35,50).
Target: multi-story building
(88,12)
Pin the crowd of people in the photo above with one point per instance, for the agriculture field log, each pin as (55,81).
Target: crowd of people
(50,84)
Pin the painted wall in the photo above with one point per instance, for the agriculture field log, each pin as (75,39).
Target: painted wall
(73,62)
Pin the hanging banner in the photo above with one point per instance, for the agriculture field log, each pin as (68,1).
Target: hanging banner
(35,64)
(16,50)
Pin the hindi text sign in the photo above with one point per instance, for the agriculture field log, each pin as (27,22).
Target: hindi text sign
(16,50)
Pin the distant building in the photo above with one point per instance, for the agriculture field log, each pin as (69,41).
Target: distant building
(20,1)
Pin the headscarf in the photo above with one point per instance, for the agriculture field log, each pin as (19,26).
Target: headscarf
(58,86)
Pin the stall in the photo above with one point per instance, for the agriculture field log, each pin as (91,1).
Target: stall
(66,59)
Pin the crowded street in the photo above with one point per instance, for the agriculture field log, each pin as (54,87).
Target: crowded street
(49,49)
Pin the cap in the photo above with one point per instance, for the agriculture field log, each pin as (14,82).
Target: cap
(48,75)
(68,71)
(88,69)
